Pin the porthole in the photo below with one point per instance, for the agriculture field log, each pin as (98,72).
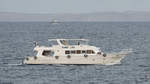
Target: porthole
(27,59)
(68,56)
(85,56)
(57,57)
(104,55)
(35,57)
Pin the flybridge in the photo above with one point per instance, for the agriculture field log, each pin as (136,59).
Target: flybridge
(68,39)
(66,42)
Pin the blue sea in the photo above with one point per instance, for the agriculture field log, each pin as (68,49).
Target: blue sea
(16,43)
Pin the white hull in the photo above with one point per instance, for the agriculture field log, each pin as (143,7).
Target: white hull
(110,59)
(78,53)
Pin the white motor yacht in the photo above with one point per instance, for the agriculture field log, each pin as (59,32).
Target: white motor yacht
(73,51)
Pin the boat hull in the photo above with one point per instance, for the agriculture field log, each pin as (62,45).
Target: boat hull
(109,59)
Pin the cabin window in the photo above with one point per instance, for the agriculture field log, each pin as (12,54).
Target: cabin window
(47,53)
(64,42)
(83,51)
(67,52)
(93,52)
(90,52)
(78,51)
(73,52)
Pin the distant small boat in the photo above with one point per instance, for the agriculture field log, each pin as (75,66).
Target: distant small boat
(54,22)
(73,51)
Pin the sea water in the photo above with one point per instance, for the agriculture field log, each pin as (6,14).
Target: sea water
(16,43)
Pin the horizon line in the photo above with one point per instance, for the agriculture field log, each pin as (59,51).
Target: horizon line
(72,12)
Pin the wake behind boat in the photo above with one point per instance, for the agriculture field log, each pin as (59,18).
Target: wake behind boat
(73,51)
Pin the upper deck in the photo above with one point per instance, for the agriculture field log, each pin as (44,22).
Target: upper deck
(69,46)
(68,42)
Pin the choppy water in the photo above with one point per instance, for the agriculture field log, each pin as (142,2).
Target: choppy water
(16,43)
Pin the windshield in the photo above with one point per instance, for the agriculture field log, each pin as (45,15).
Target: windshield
(73,42)
(53,43)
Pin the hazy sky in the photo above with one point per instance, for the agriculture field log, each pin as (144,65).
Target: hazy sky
(72,6)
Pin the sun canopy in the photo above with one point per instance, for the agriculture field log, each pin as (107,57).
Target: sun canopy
(68,39)
(64,42)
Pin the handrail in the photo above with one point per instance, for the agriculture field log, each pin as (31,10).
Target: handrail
(68,39)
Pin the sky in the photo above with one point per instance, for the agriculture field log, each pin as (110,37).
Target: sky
(73,6)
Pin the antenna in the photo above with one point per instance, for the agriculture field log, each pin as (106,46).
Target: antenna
(35,43)
(81,37)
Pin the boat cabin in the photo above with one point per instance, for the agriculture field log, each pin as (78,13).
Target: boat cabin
(68,47)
